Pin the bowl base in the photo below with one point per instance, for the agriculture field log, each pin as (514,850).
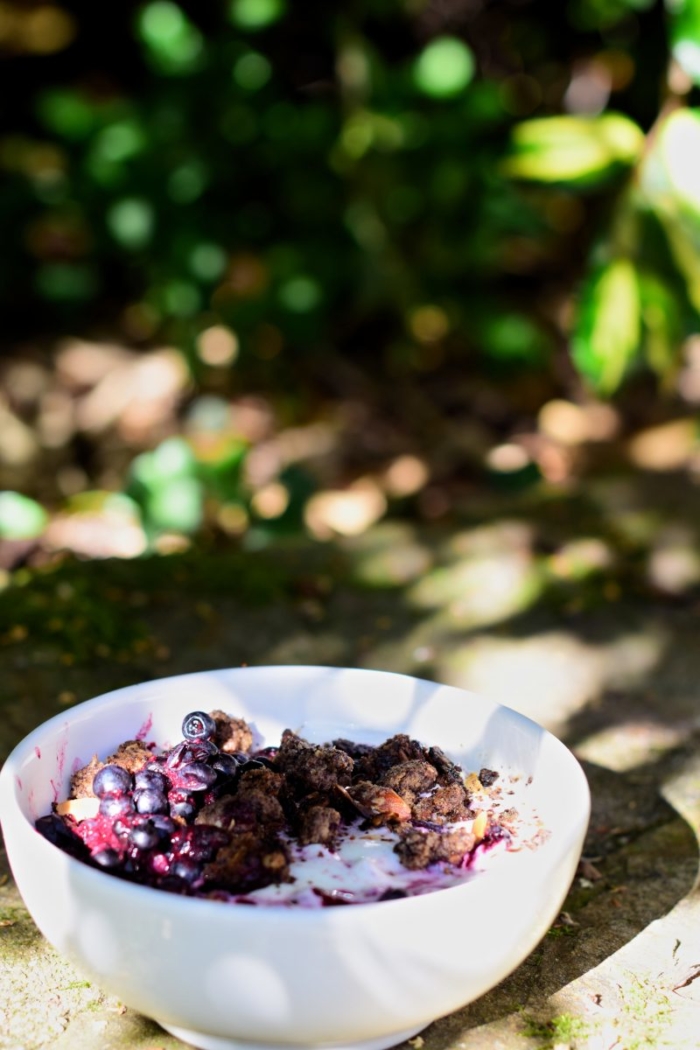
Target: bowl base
(214,1042)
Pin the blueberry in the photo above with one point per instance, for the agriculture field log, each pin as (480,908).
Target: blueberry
(163,822)
(225,764)
(55,831)
(269,753)
(204,841)
(186,868)
(173,884)
(116,806)
(182,806)
(146,836)
(150,800)
(195,776)
(151,778)
(392,895)
(198,725)
(106,858)
(199,750)
(253,763)
(174,757)
(111,780)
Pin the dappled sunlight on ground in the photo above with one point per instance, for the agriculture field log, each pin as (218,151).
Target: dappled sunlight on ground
(550,676)
(631,744)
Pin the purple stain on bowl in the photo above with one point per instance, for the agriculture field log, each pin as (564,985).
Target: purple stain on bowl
(145,729)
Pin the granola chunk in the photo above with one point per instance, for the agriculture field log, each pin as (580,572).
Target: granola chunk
(419,848)
(254,804)
(81,781)
(248,862)
(410,779)
(132,755)
(444,805)
(397,749)
(232,734)
(310,767)
(319,824)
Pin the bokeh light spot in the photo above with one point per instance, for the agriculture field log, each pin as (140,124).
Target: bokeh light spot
(119,141)
(429,323)
(173,42)
(187,183)
(252,71)
(444,68)
(271,501)
(300,294)
(208,261)
(131,221)
(66,282)
(256,14)
(217,346)
(181,298)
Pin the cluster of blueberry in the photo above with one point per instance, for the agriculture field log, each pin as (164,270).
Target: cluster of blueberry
(144,827)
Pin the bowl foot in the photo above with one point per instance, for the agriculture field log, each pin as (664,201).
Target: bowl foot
(214,1042)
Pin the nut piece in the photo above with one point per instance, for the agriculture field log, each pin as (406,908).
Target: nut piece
(82,808)
(381,804)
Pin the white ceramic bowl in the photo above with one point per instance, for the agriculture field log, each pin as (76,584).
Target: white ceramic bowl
(369,975)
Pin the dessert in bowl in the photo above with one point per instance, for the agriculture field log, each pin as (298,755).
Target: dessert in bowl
(221,975)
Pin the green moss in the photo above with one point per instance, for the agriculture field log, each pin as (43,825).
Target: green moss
(562,1029)
(86,614)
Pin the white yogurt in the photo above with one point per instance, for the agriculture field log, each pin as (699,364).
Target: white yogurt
(363,866)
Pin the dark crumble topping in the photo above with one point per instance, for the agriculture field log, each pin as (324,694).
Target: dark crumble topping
(410,779)
(215,816)
(400,748)
(132,755)
(448,771)
(444,805)
(418,848)
(249,862)
(232,734)
(311,767)
(488,777)
(81,781)
(320,824)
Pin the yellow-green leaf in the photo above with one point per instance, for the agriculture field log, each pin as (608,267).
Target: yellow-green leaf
(685,35)
(584,150)
(677,150)
(670,179)
(663,325)
(607,331)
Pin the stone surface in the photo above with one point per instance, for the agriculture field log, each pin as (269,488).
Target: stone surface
(606,656)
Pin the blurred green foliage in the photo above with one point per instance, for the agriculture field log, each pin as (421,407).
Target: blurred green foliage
(317,178)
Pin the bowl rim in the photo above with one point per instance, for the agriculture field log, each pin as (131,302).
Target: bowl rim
(125,891)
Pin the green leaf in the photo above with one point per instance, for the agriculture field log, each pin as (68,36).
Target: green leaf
(662,318)
(571,149)
(607,332)
(671,185)
(173,458)
(21,518)
(176,505)
(685,35)
(673,168)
